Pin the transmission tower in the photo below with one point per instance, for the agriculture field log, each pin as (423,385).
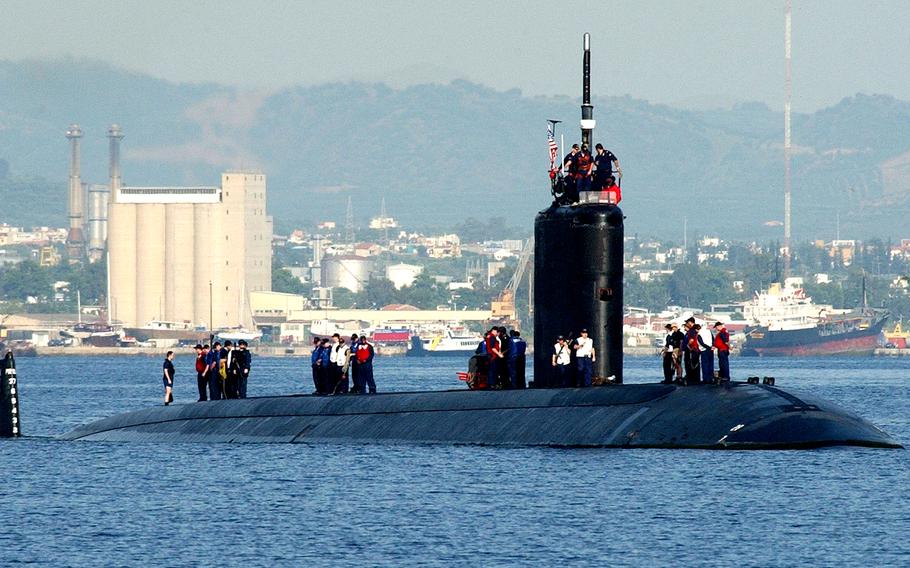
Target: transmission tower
(349,223)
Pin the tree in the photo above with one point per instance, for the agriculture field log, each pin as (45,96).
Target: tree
(284,281)
(696,286)
(380,292)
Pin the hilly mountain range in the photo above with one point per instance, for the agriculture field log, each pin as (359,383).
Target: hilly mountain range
(441,153)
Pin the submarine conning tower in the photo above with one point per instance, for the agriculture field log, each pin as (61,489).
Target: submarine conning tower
(578,270)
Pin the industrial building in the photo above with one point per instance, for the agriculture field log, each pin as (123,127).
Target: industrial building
(177,254)
(189,253)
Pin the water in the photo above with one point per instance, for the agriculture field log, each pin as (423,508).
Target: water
(81,503)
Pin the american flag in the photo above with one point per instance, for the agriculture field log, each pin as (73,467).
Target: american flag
(551,142)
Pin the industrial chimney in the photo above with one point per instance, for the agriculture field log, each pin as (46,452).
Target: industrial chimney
(75,240)
(114,134)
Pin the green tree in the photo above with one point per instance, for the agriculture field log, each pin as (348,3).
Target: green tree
(378,292)
(699,286)
(284,281)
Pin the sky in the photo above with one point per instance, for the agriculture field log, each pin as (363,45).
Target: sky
(694,53)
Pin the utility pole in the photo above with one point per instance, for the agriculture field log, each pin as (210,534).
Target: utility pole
(787,180)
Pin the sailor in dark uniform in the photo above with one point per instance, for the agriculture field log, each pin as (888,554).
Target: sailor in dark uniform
(604,160)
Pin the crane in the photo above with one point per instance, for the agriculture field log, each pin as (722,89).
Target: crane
(503,307)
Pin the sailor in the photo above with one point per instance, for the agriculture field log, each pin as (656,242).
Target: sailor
(690,352)
(677,338)
(201,378)
(722,345)
(338,360)
(667,355)
(230,372)
(213,360)
(561,360)
(168,378)
(244,362)
(516,359)
(363,354)
(585,355)
(504,346)
(613,191)
(355,367)
(316,364)
(494,353)
(326,376)
(706,352)
(603,166)
(584,165)
(570,166)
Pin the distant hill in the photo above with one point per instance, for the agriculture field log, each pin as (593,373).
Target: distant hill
(441,153)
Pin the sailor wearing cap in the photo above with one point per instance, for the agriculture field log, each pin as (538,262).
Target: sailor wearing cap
(585,357)
(562,358)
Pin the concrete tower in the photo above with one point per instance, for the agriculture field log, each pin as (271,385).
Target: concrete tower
(75,239)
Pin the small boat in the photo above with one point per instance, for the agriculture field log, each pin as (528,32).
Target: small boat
(236,334)
(160,329)
(453,339)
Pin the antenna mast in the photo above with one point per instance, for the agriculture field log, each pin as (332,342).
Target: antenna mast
(787,181)
(349,223)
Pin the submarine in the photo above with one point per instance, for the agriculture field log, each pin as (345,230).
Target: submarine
(578,283)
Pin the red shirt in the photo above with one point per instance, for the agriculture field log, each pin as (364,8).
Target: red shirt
(722,340)
(616,189)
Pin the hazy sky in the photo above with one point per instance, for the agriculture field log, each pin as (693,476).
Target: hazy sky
(677,52)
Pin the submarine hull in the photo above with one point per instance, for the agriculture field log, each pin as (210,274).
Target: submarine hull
(732,416)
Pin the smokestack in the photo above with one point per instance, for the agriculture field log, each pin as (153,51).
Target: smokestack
(75,241)
(587,109)
(115,134)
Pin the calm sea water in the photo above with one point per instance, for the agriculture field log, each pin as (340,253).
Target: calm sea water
(100,504)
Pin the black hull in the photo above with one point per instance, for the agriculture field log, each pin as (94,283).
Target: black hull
(810,342)
(622,416)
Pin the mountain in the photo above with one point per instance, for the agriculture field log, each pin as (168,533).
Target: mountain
(441,153)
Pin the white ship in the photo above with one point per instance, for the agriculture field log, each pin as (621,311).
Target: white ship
(453,339)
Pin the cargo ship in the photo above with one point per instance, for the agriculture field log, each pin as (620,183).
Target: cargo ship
(785,322)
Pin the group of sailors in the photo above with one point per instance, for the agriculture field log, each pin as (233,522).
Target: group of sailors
(222,371)
(499,361)
(584,172)
(333,361)
(573,361)
(688,354)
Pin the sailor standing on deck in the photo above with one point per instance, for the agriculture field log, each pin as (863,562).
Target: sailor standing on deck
(355,367)
(690,352)
(562,358)
(722,345)
(667,355)
(326,378)
(363,354)
(494,352)
(585,357)
(201,378)
(244,362)
(213,360)
(516,359)
(706,351)
(316,363)
(168,378)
